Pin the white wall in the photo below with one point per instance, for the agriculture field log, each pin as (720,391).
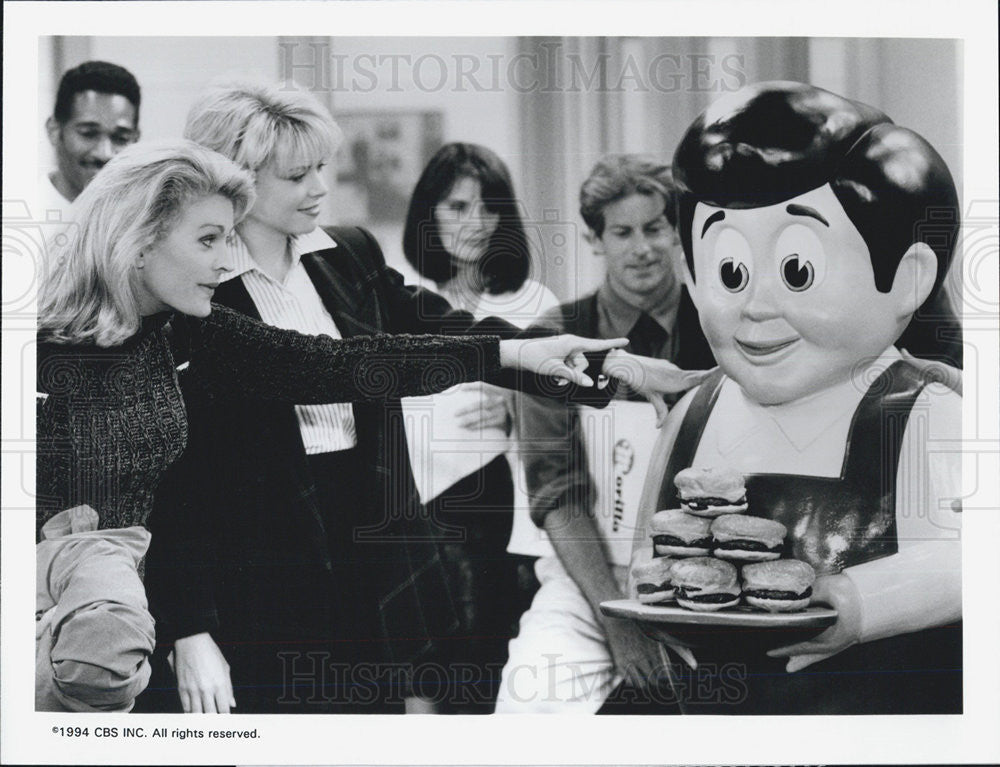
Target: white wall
(173,71)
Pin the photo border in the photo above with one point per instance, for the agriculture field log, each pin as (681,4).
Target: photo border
(27,736)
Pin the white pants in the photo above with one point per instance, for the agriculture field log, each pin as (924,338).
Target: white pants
(560,661)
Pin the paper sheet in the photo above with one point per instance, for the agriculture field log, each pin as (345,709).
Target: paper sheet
(442,451)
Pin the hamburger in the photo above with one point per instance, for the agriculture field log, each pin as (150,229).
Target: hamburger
(679,534)
(711,491)
(653,581)
(783,585)
(747,539)
(705,584)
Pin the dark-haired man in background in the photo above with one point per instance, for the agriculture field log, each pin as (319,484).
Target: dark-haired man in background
(96,115)
(567,657)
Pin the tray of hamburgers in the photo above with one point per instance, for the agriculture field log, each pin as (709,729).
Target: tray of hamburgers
(715,564)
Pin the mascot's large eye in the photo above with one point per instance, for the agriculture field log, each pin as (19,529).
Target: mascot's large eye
(797,273)
(731,258)
(734,276)
(800,258)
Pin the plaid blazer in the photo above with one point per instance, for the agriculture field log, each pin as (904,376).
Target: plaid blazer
(239,546)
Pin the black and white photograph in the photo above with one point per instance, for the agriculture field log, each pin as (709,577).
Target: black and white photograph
(374,394)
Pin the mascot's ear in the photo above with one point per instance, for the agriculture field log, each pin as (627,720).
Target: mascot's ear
(914,278)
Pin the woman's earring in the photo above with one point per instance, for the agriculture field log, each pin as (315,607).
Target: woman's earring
(139,263)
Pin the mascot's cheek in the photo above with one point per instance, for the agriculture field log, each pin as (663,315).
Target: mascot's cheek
(857,329)
(720,318)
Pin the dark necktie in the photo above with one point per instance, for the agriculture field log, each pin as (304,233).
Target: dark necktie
(646,338)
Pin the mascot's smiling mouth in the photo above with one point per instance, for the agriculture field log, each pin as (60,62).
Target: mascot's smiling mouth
(763,349)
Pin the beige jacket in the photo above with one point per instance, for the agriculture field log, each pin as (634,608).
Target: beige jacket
(94,633)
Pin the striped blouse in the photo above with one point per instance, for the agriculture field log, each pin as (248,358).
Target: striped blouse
(294,304)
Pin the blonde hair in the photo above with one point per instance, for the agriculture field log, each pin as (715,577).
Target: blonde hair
(90,292)
(254,124)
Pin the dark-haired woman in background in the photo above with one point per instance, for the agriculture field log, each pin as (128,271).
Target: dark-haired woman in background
(464,232)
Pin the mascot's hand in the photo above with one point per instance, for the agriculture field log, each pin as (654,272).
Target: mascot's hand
(652,377)
(936,371)
(839,592)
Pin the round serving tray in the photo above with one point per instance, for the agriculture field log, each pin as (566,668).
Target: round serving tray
(743,616)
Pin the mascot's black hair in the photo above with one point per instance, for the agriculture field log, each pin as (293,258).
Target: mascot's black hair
(776,140)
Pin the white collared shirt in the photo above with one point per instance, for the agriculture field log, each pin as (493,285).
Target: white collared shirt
(803,437)
(52,205)
(294,304)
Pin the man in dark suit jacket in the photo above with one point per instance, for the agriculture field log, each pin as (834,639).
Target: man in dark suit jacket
(567,656)
(313,611)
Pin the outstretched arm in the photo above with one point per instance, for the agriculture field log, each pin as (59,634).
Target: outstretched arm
(232,353)
(415,310)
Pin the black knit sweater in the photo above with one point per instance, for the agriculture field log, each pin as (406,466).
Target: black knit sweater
(111,420)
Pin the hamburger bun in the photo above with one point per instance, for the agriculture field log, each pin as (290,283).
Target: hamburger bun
(742,538)
(711,491)
(653,581)
(679,534)
(784,585)
(705,584)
